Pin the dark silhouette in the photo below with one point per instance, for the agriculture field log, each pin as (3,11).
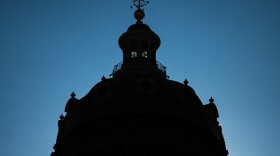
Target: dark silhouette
(138,111)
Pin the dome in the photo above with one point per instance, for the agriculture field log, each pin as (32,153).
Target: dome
(137,93)
(136,105)
(139,111)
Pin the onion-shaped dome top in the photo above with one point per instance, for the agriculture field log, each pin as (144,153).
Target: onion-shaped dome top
(139,26)
(139,41)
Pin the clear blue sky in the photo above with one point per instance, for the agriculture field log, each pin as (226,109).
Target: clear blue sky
(228,49)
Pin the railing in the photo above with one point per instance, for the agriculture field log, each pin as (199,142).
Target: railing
(161,67)
(119,67)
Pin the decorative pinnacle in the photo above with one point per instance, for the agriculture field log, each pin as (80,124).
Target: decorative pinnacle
(61,117)
(103,78)
(73,95)
(186,82)
(139,4)
(211,100)
(139,13)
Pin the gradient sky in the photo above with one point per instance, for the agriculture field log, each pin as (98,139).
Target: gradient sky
(228,49)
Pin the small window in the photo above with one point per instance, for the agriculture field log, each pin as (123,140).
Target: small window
(145,54)
(133,54)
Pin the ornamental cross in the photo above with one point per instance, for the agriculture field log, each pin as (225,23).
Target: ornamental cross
(139,4)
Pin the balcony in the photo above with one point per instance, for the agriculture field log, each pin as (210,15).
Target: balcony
(159,66)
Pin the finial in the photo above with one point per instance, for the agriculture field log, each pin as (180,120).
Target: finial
(186,82)
(139,13)
(61,117)
(73,95)
(211,100)
(103,78)
(139,4)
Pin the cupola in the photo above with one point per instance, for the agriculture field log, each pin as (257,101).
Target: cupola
(139,45)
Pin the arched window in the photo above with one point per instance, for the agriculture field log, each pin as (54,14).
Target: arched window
(145,54)
(133,54)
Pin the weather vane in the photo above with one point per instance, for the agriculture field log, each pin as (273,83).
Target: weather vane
(139,4)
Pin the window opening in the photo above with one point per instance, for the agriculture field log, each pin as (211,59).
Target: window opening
(133,54)
(145,54)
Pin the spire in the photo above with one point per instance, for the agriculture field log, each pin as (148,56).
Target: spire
(139,13)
